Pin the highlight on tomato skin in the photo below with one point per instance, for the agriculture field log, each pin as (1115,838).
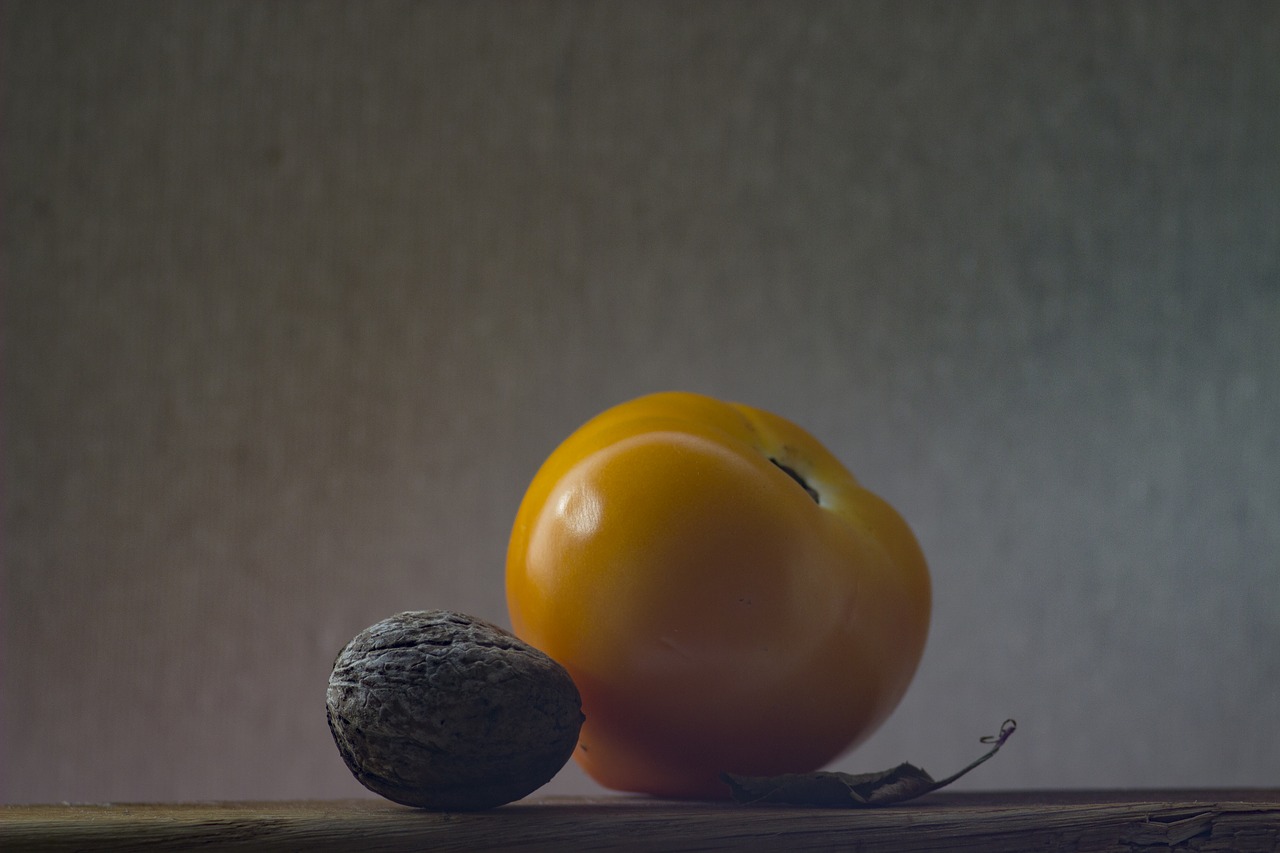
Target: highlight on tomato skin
(724,592)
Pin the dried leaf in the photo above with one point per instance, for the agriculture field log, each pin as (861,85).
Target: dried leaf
(849,790)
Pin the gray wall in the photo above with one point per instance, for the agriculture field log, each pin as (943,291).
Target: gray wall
(298,295)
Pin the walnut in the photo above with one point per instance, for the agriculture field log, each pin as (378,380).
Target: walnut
(445,711)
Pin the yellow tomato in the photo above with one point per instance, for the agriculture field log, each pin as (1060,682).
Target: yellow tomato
(724,593)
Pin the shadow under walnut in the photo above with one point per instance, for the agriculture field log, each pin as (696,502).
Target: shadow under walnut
(441,710)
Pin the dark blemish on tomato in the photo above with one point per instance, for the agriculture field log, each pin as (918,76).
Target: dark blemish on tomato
(791,472)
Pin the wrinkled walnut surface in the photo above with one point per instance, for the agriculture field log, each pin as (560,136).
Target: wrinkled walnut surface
(445,711)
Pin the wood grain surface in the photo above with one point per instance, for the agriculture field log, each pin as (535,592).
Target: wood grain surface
(1240,820)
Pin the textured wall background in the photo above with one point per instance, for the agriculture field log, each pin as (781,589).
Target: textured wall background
(298,295)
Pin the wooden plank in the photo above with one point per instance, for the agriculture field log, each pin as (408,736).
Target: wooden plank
(1209,820)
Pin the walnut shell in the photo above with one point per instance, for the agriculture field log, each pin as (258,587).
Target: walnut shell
(444,711)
